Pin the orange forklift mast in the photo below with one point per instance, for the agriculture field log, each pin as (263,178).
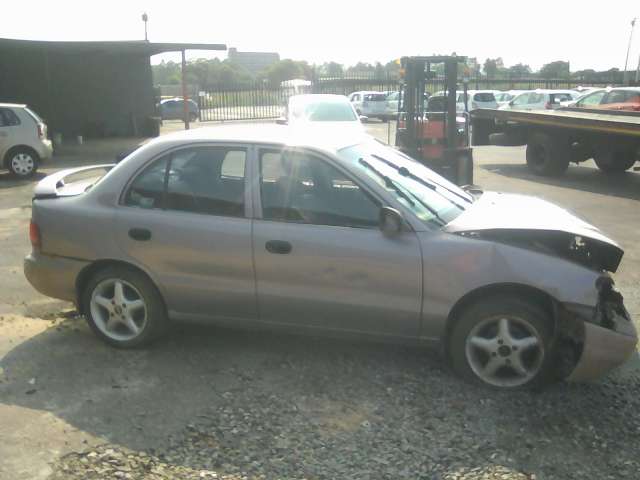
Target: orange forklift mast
(431,130)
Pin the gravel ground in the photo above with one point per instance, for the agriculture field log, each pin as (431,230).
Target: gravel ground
(327,409)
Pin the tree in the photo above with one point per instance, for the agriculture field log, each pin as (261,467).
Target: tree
(519,70)
(557,69)
(285,70)
(332,69)
(493,66)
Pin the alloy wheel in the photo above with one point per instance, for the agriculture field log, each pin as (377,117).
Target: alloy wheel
(505,351)
(118,309)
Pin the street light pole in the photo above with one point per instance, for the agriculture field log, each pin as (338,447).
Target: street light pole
(145,18)
(626,62)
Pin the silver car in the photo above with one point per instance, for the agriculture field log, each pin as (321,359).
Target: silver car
(266,226)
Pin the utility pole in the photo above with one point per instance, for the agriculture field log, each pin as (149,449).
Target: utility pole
(625,80)
(145,18)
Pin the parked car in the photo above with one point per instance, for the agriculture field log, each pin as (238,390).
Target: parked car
(23,140)
(540,100)
(391,111)
(505,97)
(329,233)
(173,109)
(320,109)
(370,104)
(477,99)
(621,98)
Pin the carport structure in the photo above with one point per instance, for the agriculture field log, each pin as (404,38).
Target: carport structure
(93,89)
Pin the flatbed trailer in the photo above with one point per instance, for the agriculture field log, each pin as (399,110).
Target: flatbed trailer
(555,138)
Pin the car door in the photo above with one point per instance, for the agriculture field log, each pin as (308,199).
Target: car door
(185,220)
(321,261)
(9,130)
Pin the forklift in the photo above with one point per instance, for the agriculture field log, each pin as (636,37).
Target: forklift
(431,130)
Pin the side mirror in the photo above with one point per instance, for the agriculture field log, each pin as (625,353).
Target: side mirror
(390,221)
(281,121)
(363,118)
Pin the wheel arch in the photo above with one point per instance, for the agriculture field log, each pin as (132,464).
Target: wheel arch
(15,148)
(525,292)
(87,272)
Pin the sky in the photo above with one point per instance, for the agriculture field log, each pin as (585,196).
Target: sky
(349,31)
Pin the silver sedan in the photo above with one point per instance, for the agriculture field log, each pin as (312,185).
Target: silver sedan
(274,227)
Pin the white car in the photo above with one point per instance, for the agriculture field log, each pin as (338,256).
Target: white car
(505,97)
(393,98)
(540,100)
(475,99)
(370,104)
(23,140)
(315,110)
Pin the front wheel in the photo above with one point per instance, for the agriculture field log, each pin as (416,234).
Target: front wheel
(503,342)
(123,307)
(23,162)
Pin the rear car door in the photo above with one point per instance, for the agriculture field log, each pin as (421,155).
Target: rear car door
(9,130)
(185,220)
(321,261)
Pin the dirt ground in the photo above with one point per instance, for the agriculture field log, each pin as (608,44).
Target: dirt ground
(377,406)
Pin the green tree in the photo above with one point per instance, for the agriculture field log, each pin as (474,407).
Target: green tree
(519,70)
(283,70)
(557,69)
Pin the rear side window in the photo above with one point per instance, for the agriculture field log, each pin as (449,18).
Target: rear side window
(8,118)
(204,180)
(375,97)
(484,97)
(619,96)
(147,190)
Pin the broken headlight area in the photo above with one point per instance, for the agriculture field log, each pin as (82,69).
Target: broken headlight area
(589,252)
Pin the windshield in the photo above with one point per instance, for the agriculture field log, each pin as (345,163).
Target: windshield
(324,111)
(433,199)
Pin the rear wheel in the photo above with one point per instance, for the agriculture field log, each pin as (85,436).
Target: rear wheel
(123,307)
(22,162)
(547,155)
(503,342)
(615,160)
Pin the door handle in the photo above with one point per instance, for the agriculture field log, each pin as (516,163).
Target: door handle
(140,234)
(278,246)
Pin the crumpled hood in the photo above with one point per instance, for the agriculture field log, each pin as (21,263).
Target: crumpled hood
(524,217)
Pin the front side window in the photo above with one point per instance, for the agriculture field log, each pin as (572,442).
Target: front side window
(299,187)
(591,100)
(522,99)
(205,180)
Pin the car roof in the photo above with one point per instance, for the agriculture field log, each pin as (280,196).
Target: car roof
(626,89)
(368,91)
(13,105)
(327,139)
(306,97)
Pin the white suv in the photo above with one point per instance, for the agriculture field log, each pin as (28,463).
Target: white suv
(370,104)
(23,140)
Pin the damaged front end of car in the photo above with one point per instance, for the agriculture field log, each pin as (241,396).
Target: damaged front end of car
(593,340)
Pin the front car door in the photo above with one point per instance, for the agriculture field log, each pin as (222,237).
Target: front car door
(321,261)
(185,220)
(9,129)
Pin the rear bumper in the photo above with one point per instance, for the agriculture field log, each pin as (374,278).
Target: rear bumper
(53,276)
(604,349)
(45,150)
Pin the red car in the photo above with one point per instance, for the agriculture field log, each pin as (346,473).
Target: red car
(623,98)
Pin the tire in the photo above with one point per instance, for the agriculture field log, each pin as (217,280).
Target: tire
(615,161)
(516,357)
(99,305)
(546,155)
(22,162)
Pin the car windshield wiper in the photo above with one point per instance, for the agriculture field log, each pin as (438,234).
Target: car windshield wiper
(427,183)
(390,184)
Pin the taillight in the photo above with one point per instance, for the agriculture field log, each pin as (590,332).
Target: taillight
(34,234)
(40,131)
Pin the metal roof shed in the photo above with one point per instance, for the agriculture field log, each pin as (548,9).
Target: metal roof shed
(86,88)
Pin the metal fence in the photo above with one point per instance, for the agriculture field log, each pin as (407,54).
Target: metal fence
(263,101)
